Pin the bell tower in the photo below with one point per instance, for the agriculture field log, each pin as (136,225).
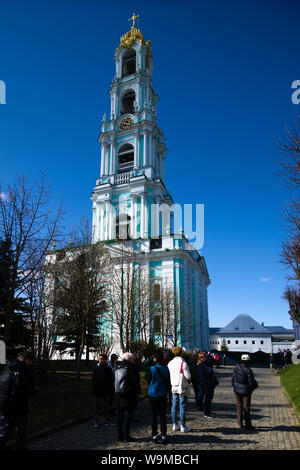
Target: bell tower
(132,147)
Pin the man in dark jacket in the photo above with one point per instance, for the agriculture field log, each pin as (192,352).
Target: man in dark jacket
(103,387)
(22,387)
(244,384)
(126,401)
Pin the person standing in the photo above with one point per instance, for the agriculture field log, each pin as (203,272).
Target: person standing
(271,361)
(209,359)
(22,388)
(103,388)
(194,374)
(126,393)
(289,357)
(158,378)
(244,384)
(180,378)
(113,363)
(207,384)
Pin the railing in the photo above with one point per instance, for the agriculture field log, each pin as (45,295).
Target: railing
(122,178)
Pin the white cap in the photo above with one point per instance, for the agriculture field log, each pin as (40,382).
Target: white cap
(245,357)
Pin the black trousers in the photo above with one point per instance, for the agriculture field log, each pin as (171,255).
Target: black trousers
(123,421)
(158,406)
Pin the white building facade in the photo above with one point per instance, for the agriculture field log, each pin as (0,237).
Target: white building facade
(244,334)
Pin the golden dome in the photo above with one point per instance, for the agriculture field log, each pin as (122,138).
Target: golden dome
(134,34)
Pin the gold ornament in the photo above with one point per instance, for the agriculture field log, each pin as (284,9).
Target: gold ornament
(134,34)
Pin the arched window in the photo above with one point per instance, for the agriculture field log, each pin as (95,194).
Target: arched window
(129,63)
(127,104)
(123,227)
(125,158)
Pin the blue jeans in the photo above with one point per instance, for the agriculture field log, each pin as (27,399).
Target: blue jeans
(178,401)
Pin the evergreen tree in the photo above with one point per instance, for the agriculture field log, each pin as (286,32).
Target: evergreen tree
(19,332)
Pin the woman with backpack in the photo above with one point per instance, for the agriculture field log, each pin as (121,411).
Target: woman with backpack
(158,378)
(244,384)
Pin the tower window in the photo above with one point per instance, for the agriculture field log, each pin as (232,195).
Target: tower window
(123,227)
(156,292)
(129,63)
(156,324)
(125,158)
(127,106)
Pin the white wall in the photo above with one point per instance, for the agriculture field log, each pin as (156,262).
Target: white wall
(241,346)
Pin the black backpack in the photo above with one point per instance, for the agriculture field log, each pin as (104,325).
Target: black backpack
(122,380)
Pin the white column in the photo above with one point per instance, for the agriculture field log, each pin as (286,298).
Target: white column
(136,152)
(100,224)
(106,222)
(142,224)
(111,158)
(150,155)
(132,218)
(145,149)
(102,159)
(144,214)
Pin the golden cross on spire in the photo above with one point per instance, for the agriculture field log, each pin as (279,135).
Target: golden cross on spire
(133,18)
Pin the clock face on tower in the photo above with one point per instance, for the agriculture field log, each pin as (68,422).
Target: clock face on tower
(125,123)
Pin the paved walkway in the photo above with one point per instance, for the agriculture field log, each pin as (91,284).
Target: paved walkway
(276,422)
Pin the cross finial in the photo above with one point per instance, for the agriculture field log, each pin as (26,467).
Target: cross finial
(133,18)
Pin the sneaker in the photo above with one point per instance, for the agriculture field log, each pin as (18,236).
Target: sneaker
(208,416)
(164,440)
(185,429)
(155,439)
(95,424)
(176,427)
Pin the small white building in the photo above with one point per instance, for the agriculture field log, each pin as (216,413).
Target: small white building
(244,334)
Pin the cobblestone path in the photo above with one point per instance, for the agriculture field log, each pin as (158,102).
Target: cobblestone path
(276,422)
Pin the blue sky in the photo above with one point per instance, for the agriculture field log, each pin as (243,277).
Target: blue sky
(223,72)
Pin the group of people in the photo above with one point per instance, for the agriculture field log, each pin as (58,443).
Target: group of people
(116,385)
(284,357)
(169,377)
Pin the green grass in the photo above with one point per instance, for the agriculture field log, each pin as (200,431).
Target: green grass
(61,399)
(290,380)
(64,398)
